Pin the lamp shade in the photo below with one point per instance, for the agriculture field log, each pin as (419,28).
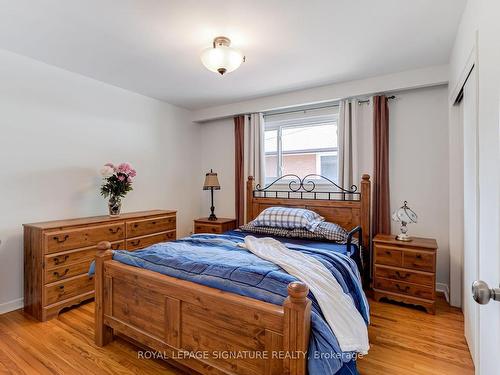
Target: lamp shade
(221,58)
(404,214)
(211,181)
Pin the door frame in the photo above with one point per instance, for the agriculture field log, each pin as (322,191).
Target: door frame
(456,181)
(456,229)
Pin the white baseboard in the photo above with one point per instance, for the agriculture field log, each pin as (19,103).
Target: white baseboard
(443,288)
(11,305)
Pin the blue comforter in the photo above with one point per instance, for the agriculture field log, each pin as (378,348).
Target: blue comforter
(217,261)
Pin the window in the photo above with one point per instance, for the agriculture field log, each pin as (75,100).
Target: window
(301,146)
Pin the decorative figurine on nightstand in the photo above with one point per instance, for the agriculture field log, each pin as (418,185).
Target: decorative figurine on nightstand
(211,183)
(405,216)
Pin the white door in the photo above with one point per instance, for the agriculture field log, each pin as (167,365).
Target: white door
(487,347)
(471,212)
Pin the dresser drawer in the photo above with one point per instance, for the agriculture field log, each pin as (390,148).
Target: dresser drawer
(404,275)
(402,287)
(65,272)
(145,241)
(205,228)
(68,288)
(76,256)
(388,255)
(83,237)
(419,260)
(143,227)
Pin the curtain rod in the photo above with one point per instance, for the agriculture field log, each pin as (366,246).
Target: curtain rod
(368,100)
(316,108)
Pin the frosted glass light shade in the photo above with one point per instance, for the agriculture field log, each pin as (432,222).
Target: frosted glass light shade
(221,59)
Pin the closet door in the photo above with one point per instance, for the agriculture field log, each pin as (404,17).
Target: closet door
(471,212)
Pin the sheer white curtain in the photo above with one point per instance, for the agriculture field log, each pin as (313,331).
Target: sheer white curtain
(355,142)
(255,163)
(254,154)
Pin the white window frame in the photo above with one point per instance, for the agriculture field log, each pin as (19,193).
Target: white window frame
(279,125)
(334,151)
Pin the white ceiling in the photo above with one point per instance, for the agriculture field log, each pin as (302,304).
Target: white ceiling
(153,46)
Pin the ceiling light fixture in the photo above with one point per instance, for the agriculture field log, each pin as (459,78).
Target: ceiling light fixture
(221,58)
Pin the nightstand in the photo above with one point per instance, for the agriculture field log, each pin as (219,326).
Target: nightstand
(221,225)
(405,271)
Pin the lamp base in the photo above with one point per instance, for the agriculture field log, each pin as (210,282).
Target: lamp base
(403,237)
(212,217)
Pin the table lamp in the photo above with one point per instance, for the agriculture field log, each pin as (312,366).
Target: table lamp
(405,216)
(211,183)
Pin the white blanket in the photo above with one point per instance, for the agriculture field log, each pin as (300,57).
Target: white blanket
(338,308)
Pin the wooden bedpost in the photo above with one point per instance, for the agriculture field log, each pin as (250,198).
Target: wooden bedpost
(297,308)
(103,333)
(250,187)
(366,196)
(365,208)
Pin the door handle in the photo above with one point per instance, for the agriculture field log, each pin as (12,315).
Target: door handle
(482,293)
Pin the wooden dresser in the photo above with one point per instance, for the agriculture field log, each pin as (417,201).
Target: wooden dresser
(221,225)
(405,271)
(57,254)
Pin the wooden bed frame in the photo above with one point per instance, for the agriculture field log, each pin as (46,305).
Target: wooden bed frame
(206,330)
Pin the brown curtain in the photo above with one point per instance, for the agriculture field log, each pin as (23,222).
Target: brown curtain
(381,222)
(239,183)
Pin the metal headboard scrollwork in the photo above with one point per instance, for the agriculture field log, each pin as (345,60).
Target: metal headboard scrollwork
(306,188)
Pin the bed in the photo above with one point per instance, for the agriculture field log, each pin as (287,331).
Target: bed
(200,328)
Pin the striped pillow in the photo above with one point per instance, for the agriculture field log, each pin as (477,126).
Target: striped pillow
(288,218)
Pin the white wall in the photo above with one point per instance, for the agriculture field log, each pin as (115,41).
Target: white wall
(58,129)
(418,162)
(418,167)
(464,43)
(424,77)
(217,150)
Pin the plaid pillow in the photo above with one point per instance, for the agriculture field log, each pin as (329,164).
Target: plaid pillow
(332,232)
(324,231)
(289,218)
(272,231)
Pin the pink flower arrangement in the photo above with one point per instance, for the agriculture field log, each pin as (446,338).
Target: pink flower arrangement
(117,179)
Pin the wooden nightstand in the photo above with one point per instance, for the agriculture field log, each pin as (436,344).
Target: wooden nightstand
(405,271)
(221,225)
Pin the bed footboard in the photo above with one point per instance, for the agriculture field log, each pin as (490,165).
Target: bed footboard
(205,329)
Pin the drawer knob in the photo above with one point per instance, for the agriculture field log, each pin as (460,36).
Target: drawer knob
(57,260)
(61,290)
(59,240)
(135,242)
(403,277)
(57,274)
(419,256)
(387,252)
(114,231)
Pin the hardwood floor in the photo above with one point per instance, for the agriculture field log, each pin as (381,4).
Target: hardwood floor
(403,341)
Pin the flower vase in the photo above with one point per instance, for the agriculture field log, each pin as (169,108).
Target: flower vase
(114,206)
